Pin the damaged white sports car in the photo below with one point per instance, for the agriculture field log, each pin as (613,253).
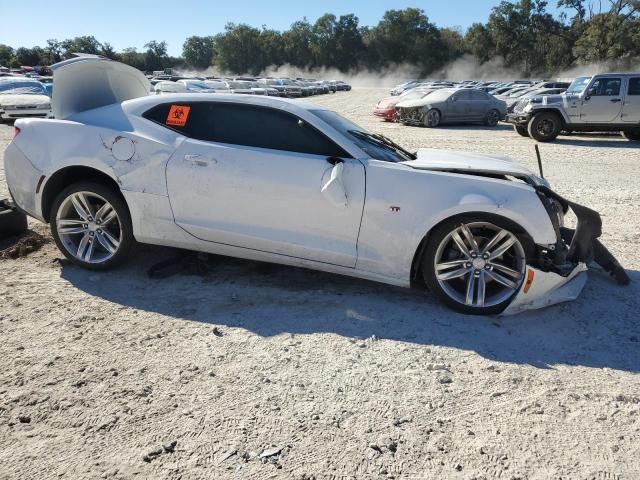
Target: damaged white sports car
(288,182)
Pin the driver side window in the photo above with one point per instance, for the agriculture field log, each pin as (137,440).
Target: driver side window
(605,87)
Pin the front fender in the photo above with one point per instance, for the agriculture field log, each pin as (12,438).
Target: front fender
(403,205)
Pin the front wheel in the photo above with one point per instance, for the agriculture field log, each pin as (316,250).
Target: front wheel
(632,135)
(492,119)
(520,130)
(92,226)
(474,265)
(545,127)
(431,118)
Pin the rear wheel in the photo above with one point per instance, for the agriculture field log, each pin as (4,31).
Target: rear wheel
(545,126)
(633,135)
(520,130)
(492,119)
(92,226)
(475,265)
(431,118)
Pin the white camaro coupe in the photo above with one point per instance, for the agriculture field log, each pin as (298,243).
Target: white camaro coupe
(288,182)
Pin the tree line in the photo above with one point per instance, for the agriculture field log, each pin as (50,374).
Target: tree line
(521,33)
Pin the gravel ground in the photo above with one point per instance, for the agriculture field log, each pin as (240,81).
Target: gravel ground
(253,371)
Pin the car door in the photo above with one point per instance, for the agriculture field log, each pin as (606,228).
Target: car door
(479,105)
(603,100)
(256,177)
(631,104)
(458,106)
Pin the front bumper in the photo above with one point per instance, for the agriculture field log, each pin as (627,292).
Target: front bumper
(518,118)
(559,273)
(16,113)
(387,113)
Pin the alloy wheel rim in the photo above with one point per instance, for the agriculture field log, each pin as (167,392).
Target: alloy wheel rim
(480,265)
(545,127)
(89,227)
(493,118)
(433,118)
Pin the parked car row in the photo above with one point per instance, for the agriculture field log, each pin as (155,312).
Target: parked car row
(274,87)
(430,105)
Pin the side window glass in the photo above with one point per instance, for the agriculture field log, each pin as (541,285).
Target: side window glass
(634,86)
(605,87)
(260,127)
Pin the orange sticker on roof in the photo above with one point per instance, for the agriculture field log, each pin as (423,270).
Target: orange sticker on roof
(178,115)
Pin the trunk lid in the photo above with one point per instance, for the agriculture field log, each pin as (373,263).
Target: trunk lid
(86,82)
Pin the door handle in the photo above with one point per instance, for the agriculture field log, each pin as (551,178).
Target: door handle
(615,100)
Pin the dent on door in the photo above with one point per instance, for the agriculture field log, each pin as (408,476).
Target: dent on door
(333,188)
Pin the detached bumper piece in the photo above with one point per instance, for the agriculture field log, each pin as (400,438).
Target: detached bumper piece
(559,274)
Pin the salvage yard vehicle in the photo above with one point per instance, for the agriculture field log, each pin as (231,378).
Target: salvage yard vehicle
(608,102)
(22,97)
(288,182)
(449,105)
(386,108)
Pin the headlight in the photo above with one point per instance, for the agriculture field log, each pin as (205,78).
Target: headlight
(528,108)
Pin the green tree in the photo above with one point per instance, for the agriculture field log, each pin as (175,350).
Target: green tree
(238,49)
(199,51)
(84,44)
(155,55)
(6,55)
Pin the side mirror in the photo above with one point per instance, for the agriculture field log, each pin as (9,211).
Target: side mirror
(333,190)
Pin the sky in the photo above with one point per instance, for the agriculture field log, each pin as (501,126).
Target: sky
(132,23)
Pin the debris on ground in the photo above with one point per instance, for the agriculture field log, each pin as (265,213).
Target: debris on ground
(21,246)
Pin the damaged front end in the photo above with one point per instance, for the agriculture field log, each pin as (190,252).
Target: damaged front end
(409,115)
(558,272)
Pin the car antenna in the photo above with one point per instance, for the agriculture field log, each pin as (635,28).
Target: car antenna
(539,161)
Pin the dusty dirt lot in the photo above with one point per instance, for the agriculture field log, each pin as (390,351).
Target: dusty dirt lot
(254,371)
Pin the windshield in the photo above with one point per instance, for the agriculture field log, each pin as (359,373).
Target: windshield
(578,85)
(22,87)
(375,146)
(413,95)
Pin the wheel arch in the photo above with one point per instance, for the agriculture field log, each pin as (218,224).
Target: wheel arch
(558,111)
(515,227)
(68,176)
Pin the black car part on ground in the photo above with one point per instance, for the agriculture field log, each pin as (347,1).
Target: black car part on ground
(12,221)
(576,246)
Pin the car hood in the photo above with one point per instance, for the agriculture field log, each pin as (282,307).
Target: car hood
(387,102)
(24,99)
(466,162)
(86,82)
(413,103)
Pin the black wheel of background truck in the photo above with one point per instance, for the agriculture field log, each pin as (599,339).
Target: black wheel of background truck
(520,130)
(492,118)
(545,126)
(12,222)
(632,135)
(475,263)
(91,225)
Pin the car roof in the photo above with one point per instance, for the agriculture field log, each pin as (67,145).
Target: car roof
(142,104)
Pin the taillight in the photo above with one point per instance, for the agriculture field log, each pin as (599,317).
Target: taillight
(16,131)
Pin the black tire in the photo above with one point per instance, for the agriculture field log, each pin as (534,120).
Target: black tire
(631,135)
(520,130)
(437,236)
(432,118)
(545,126)
(115,198)
(492,118)
(12,222)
